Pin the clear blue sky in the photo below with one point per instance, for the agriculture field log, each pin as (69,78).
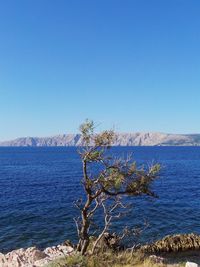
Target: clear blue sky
(133,64)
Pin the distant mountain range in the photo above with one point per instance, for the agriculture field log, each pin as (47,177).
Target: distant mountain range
(122,139)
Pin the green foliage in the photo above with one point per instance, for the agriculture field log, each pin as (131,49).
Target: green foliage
(104,139)
(87,129)
(69,261)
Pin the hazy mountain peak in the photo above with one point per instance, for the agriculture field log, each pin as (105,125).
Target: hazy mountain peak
(122,139)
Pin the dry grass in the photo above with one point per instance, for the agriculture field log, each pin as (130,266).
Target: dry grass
(175,250)
(106,259)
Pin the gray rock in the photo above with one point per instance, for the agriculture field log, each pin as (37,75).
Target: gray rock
(32,257)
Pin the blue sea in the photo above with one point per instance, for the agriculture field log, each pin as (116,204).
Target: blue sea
(38,187)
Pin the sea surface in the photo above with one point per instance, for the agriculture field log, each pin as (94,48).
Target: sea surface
(38,187)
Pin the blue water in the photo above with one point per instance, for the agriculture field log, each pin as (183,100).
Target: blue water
(39,185)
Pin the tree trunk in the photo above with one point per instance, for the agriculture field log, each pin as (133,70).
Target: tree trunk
(84,236)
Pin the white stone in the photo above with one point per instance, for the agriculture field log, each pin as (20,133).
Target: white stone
(157,259)
(191,264)
(3,260)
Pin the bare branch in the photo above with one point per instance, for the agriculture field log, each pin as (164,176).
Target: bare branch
(98,203)
(77,226)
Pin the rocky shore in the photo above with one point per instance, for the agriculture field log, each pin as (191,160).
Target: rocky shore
(33,257)
(169,251)
(174,243)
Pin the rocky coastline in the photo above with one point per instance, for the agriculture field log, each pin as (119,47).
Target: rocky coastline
(33,257)
(164,251)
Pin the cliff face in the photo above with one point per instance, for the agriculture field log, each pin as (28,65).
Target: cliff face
(122,139)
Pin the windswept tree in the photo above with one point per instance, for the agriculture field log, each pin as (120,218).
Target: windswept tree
(106,180)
